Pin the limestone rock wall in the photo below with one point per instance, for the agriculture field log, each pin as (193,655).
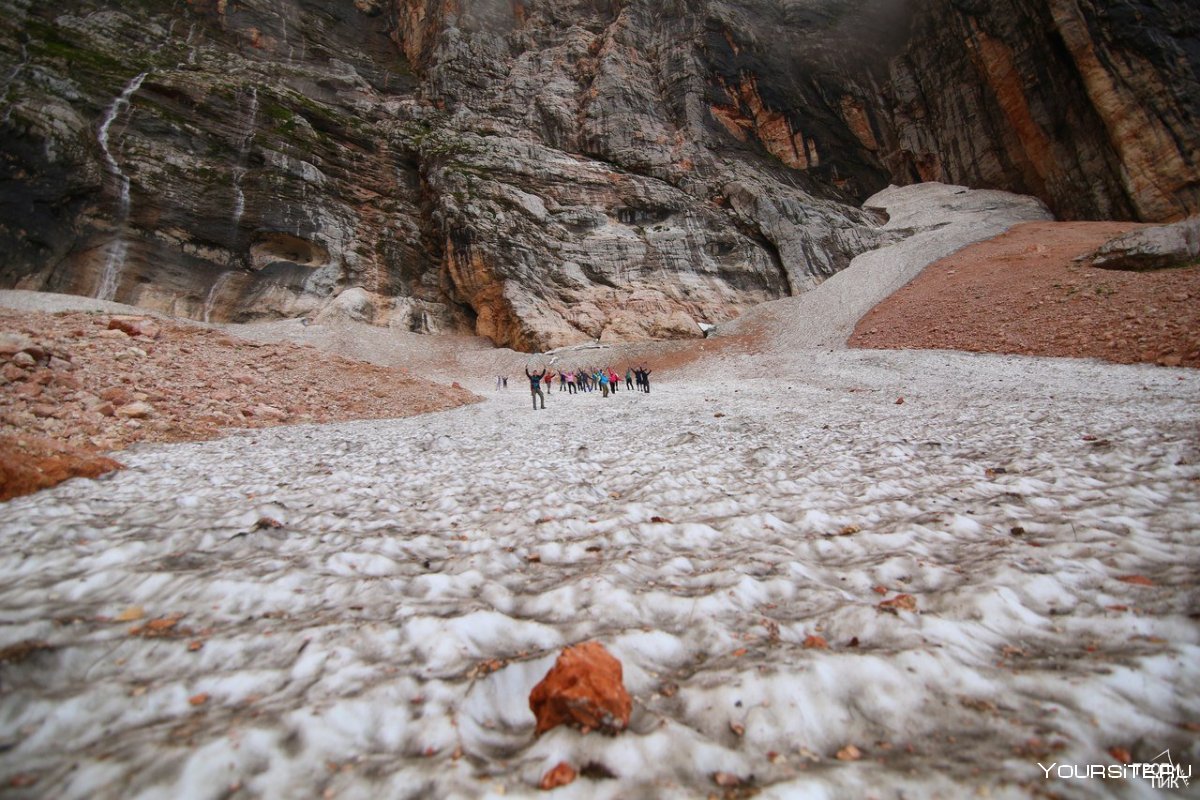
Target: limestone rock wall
(228,161)
(545,172)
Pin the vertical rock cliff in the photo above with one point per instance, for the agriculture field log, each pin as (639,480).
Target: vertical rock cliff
(544,172)
(1090,105)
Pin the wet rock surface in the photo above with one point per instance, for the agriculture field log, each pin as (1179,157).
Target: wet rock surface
(1086,105)
(474,169)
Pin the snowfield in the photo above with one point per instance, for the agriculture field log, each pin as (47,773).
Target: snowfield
(382,641)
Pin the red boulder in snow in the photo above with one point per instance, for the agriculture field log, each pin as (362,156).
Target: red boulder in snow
(585,687)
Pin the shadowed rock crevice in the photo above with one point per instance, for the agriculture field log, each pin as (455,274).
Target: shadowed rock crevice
(282,247)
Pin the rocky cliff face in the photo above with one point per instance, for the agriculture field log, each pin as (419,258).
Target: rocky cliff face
(544,172)
(1090,104)
(213,160)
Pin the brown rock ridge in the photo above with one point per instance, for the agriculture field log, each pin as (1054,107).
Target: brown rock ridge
(31,463)
(1091,106)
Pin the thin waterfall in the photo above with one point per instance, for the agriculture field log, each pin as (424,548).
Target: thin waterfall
(214,291)
(10,79)
(245,140)
(191,48)
(281,12)
(114,262)
(114,110)
(281,8)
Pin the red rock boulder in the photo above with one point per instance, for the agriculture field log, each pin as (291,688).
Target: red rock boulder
(561,775)
(586,688)
(30,463)
(135,326)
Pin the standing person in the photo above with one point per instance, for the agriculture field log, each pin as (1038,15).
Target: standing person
(499,382)
(629,378)
(603,379)
(562,381)
(505,379)
(535,387)
(614,380)
(646,380)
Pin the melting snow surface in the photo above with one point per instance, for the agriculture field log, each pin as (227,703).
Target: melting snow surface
(383,640)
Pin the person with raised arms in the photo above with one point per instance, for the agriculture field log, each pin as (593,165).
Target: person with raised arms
(535,386)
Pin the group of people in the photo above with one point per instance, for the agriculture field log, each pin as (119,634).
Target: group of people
(603,379)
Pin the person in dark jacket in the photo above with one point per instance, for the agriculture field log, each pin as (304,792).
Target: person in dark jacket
(644,379)
(535,387)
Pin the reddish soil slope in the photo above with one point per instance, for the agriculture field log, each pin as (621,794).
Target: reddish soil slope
(1023,293)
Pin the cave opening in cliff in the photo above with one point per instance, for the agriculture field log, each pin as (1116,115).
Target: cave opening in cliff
(274,247)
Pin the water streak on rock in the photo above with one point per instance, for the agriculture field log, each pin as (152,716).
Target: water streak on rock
(115,260)
(8,81)
(245,140)
(210,299)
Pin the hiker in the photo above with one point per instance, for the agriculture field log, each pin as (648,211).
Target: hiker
(499,382)
(646,380)
(614,380)
(535,387)
(562,381)
(629,378)
(571,388)
(603,380)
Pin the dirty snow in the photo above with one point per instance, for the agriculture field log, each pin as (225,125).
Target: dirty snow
(701,532)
